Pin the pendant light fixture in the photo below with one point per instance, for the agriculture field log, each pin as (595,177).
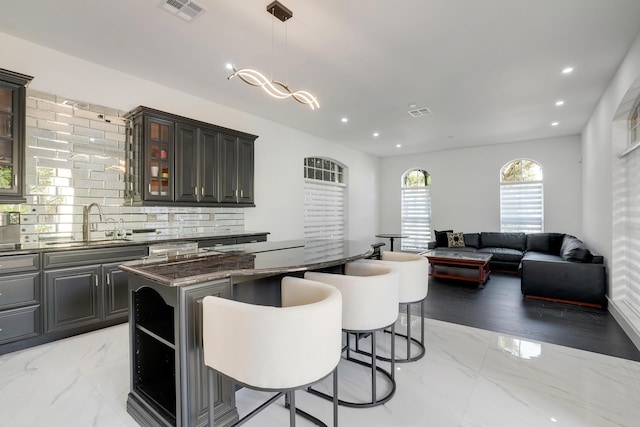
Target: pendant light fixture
(274,88)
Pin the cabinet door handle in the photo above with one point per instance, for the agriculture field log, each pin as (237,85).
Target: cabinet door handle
(95,276)
(202,191)
(241,193)
(108,279)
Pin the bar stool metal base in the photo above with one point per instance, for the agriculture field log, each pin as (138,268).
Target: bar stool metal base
(390,376)
(409,341)
(289,403)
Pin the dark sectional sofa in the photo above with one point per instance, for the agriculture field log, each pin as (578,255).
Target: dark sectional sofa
(551,265)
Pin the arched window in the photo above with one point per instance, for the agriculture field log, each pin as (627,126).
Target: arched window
(324,199)
(521,197)
(416,209)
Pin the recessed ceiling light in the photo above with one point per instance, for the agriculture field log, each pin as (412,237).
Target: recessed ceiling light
(413,106)
(559,102)
(229,66)
(555,124)
(398,145)
(344,120)
(567,70)
(376,134)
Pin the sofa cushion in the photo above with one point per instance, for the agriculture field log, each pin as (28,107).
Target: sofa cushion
(503,254)
(441,238)
(541,256)
(545,242)
(455,240)
(574,250)
(472,240)
(503,240)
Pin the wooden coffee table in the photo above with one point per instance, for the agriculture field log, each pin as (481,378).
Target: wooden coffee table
(468,266)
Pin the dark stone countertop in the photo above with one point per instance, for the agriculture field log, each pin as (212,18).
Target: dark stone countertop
(136,239)
(262,258)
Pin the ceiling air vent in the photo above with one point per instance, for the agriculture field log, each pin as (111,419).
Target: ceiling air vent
(187,10)
(418,112)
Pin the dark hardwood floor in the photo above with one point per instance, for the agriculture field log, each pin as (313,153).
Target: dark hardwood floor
(500,307)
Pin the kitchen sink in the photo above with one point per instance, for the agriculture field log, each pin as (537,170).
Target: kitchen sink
(77,243)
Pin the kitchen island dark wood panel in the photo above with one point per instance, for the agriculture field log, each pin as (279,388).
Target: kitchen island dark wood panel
(169,380)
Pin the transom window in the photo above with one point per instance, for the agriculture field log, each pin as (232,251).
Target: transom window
(323,170)
(416,210)
(521,197)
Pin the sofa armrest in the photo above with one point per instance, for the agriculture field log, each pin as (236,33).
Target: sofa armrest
(432,244)
(563,280)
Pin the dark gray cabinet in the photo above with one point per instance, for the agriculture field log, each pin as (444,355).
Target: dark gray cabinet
(20,297)
(116,293)
(73,298)
(169,384)
(204,164)
(12,135)
(85,288)
(237,169)
(197,157)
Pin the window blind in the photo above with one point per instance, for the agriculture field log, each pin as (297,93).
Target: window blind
(324,210)
(521,208)
(416,218)
(630,254)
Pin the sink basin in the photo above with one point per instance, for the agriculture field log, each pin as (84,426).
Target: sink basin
(76,243)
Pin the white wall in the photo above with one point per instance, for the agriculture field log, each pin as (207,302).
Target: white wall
(465,192)
(279,149)
(599,153)
(602,138)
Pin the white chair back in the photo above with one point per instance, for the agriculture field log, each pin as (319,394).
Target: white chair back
(275,347)
(370,295)
(414,274)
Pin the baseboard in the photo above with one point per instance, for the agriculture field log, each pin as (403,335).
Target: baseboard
(565,301)
(629,328)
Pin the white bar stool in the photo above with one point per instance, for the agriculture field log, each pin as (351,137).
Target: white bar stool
(370,297)
(414,287)
(275,348)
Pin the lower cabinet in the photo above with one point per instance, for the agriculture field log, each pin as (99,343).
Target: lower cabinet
(20,297)
(73,297)
(83,291)
(170,382)
(116,291)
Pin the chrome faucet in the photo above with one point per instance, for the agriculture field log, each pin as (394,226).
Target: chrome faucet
(86,211)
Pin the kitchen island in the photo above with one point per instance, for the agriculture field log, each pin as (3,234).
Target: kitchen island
(169,380)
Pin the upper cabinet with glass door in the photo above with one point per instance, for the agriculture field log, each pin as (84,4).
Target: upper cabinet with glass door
(12,135)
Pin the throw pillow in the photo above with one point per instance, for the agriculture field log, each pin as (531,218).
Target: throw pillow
(455,240)
(441,238)
(472,240)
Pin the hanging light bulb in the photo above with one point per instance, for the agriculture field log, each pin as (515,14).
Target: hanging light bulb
(272,87)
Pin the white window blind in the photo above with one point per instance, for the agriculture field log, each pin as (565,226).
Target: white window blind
(630,254)
(521,207)
(416,217)
(324,210)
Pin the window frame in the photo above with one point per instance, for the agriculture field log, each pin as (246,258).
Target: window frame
(421,194)
(325,193)
(528,188)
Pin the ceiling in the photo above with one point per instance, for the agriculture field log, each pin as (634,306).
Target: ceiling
(490,70)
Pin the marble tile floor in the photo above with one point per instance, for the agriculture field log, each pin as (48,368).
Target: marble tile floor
(469,378)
